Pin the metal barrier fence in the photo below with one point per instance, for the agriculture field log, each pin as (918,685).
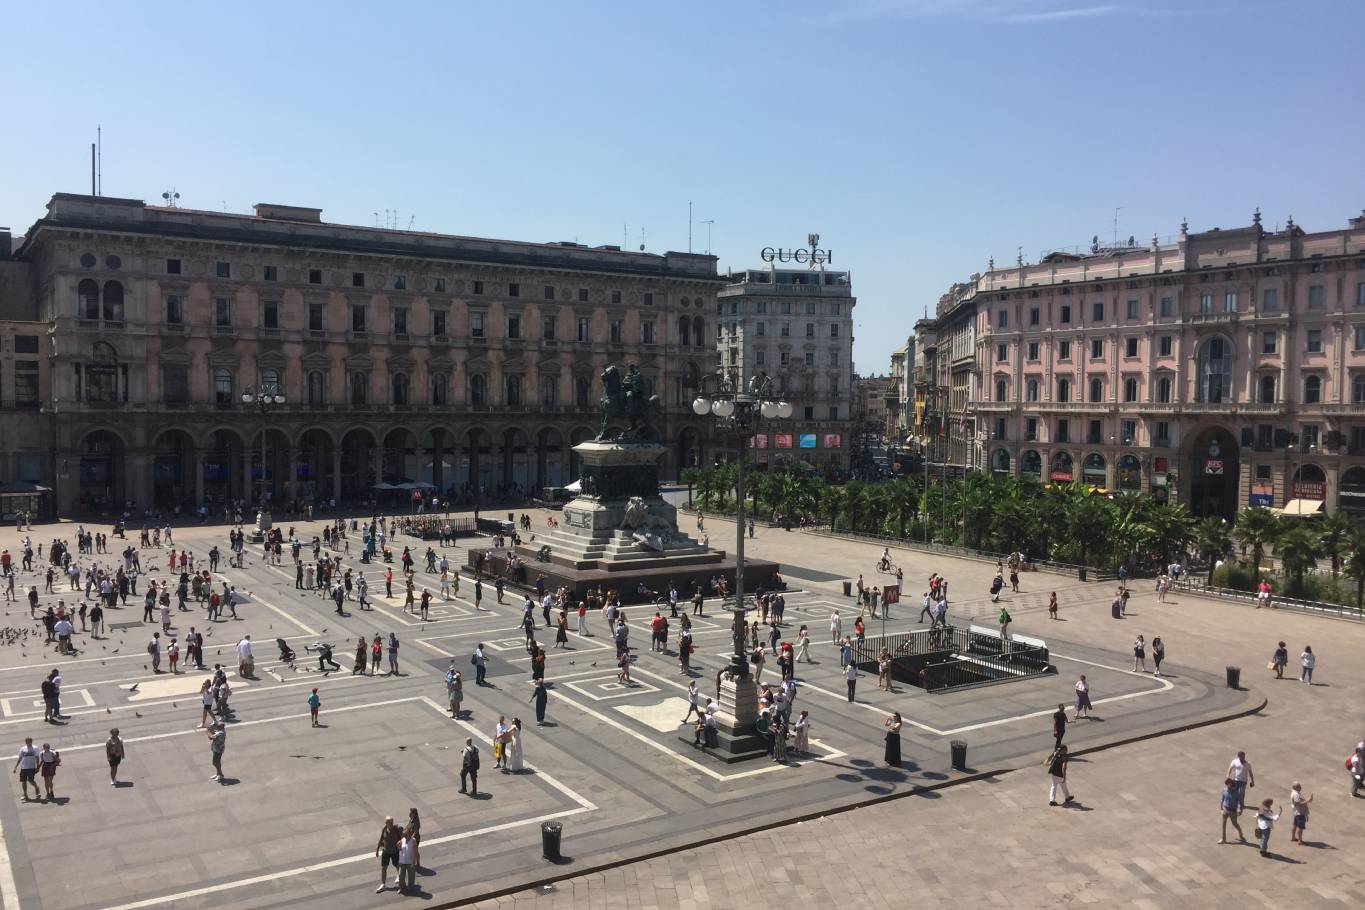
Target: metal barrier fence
(973,658)
(1191,585)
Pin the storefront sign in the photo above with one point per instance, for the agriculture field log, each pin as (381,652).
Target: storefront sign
(1060,475)
(760,441)
(1310,489)
(836,441)
(806,441)
(782,440)
(812,256)
(1213,466)
(1261,500)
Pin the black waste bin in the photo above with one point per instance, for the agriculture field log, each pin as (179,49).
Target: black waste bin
(1234,677)
(549,839)
(959,748)
(848,589)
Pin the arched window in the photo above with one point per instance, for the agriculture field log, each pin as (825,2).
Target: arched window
(1267,390)
(1031,463)
(360,388)
(549,390)
(113,301)
(698,332)
(1001,387)
(684,331)
(270,382)
(1096,389)
(513,385)
(440,389)
(317,389)
(1062,466)
(1130,389)
(1000,461)
(222,387)
(478,390)
(1214,371)
(1031,390)
(102,375)
(1312,389)
(400,388)
(1358,389)
(88,299)
(1163,390)
(1063,389)
(582,392)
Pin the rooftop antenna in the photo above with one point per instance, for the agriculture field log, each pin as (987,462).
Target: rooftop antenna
(708,222)
(642,238)
(99,160)
(411,220)
(93,191)
(689,225)
(171,197)
(1117,209)
(376,219)
(625,240)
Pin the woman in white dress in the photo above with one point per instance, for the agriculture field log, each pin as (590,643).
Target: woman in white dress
(514,753)
(803,645)
(802,727)
(836,627)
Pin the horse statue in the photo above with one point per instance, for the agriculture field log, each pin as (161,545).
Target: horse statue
(627,397)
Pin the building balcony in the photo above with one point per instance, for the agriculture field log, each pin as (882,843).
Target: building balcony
(1091,407)
(994,407)
(1211,318)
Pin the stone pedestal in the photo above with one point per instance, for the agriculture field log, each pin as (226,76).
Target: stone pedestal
(737,740)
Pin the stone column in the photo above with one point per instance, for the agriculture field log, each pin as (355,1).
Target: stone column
(291,479)
(378,460)
(197,467)
(336,472)
(137,483)
(246,492)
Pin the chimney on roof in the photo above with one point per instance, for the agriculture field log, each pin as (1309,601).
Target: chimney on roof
(288,213)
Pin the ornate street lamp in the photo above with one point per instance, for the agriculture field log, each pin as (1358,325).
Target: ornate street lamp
(264,396)
(737,410)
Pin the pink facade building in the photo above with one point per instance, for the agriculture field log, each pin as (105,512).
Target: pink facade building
(1224,369)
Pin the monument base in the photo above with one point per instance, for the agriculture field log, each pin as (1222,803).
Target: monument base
(736,739)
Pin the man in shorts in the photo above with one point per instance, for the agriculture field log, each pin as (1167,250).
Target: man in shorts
(27,766)
(387,851)
(1232,807)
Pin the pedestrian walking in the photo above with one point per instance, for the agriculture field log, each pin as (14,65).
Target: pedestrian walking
(1298,805)
(217,735)
(454,690)
(1230,803)
(1005,619)
(113,753)
(1139,655)
(1082,697)
(1052,605)
(1279,660)
(1056,769)
(1239,769)
(1266,817)
(469,768)
(206,699)
(1158,653)
(1058,725)
(540,697)
(407,872)
(387,850)
(851,676)
(802,728)
(1307,661)
(48,762)
(376,654)
(314,704)
(26,765)
(893,739)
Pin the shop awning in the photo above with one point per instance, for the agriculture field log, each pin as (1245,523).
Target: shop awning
(1300,508)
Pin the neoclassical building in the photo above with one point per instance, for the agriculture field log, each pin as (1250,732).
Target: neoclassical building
(1225,368)
(471,364)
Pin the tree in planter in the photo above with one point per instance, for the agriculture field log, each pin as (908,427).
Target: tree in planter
(1256,527)
(1335,532)
(1355,565)
(1213,540)
(1298,550)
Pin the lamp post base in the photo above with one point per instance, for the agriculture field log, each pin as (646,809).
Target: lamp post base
(736,739)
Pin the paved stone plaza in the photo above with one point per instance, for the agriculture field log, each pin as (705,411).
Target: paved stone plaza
(296,820)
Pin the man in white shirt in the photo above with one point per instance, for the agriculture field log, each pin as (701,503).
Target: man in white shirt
(246,663)
(63,629)
(27,766)
(1239,771)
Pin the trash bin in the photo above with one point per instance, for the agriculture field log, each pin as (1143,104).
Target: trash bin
(848,589)
(549,839)
(1234,677)
(959,748)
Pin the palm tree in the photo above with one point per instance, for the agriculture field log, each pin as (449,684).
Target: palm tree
(1172,525)
(1130,532)
(690,476)
(1355,566)
(1335,532)
(1298,550)
(834,502)
(902,502)
(1212,538)
(1255,528)
(857,504)
(706,485)
(1089,519)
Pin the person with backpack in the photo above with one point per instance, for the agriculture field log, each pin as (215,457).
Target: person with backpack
(1005,620)
(469,768)
(997,584)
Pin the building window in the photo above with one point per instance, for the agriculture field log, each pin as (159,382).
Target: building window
(585,330)
(222,269)
(222,388)
(549,391)
(1267,390)
(810,330)
(513,326)
(1063,390)
(358,317)
(1270,300)
(760,328)
(357,279)
(786,308)
(477,287)
(1230,302)
(1312,390)
(1097,311)
(1214,371)
(1130,347)
(1031,390)
(315,276)
(400,282)
(1360,338)
(317,389)
(1315,341)
(836,309)
(438,323)
(649,298)
(112,305)
(1094,432)
(834,330)
(1096,389)
(272,273)
(1308,436)
(1167,307)
(1128,432)
(513,289)
(512,384)
(400,320)
(440,389)
(1358,389)
(834,412)
(360,388)
(1317,297)
(478,390)
(1001,389)
(547,328)
(399,385)
(175,310)
(25,344)
(646,333)
(1033,350)
(784,358)
(88,299)
(1265,439)
(476,325)
(1031,428)
(1163,390)
(810,307)
(270,314)
(1132,309)
(315,317)
(617,331)
(1002,353)
(1130,389)
(1163,433)
(786,330)
(26,393)
(439,286)
(1035,315)
(1063,350)
(810,358)
(615,296)
(1164,346)
(582,295)
(698,333)
(1063,430)
(582,392)
(1066,314)
(809,412)
(222,313)
(175,384)
(1097,349)
(172,266)
(1206,303)
(548,292)
(760,357)
(1269,341)
(1002,320)
(999,428)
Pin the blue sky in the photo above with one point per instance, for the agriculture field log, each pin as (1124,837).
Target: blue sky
(918,137)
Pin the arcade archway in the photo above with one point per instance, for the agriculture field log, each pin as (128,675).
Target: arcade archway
(1211,465)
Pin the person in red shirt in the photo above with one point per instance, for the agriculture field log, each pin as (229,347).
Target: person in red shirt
(388,582)
(657,626)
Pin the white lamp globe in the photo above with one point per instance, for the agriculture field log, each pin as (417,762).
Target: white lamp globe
(723,408)
(701,406)
(246,398)
(279,399)
(769,409)
(784,409)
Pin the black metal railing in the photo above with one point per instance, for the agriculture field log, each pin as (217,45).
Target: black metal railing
(1012,663)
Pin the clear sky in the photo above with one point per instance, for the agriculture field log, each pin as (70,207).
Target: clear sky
(918,137)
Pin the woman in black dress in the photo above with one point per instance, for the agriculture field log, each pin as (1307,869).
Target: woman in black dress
(893,739)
